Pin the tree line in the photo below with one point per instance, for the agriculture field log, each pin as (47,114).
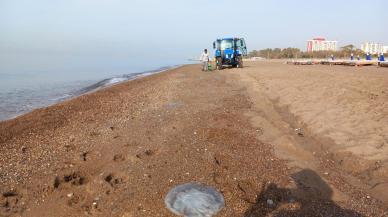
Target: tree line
(290,53)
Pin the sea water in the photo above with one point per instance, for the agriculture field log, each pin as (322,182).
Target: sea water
(21,92)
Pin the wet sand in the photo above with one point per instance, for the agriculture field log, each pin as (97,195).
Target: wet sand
(266,132)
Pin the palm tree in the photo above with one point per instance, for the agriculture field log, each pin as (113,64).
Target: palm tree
(347,50)
(349,47)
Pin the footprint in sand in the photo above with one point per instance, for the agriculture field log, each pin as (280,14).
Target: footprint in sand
(74,178)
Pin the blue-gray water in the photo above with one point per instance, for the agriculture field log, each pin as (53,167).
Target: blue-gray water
(21,92)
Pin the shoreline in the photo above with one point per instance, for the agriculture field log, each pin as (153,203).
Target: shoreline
(104,83)
(119,150)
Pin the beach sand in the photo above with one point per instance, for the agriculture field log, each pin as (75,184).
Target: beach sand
(274,139)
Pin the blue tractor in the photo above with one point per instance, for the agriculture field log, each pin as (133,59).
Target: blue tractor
(229,52)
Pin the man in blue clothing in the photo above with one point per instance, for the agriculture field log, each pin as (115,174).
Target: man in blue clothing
(368,56)
(382,58)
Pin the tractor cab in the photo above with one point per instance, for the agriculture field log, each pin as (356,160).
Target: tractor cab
(229,52)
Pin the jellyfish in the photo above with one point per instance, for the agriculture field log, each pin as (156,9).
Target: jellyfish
(194,200)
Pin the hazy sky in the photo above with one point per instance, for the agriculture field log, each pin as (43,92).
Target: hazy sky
(113,34)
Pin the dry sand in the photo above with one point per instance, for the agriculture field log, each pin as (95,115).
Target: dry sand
(313,139)
(343,111)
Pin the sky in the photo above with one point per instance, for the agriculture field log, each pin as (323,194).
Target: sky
(118,35)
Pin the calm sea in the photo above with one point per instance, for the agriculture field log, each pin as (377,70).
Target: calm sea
(21,92)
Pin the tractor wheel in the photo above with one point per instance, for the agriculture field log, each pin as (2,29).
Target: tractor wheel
(240,63)
(219,63)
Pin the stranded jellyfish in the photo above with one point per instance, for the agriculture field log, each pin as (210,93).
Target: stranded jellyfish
(194,200)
